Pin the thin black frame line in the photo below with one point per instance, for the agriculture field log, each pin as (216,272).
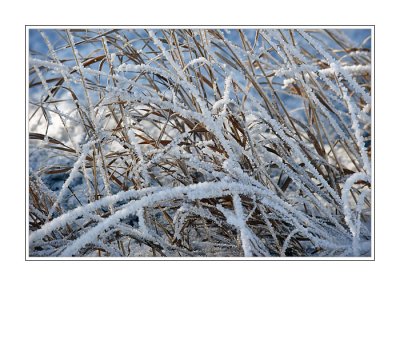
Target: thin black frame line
(333,259)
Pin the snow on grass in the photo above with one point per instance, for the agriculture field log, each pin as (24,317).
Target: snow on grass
(200,143)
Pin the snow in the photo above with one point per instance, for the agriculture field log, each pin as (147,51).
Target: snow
(200,60)
(354,226)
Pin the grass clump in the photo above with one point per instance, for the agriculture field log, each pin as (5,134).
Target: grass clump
(199,143)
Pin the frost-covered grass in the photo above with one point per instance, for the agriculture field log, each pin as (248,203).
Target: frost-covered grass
(202,143)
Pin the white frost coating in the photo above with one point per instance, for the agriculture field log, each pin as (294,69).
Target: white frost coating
(86,209)
(253,180)
(138,150)
(354,227)
(192,192)
(357,131)
(74,172)
(353,69)
(80,67)
(293,51)
(112,58)
(336,67)
(198,191)
(167,55)
(224,101)
(250,243)
(359,207)
(100,163)
(288,82)
(201,60)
